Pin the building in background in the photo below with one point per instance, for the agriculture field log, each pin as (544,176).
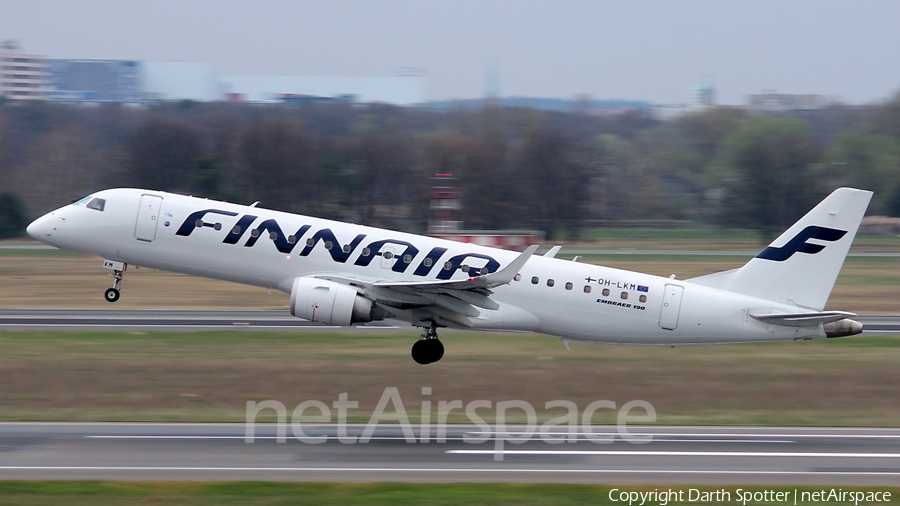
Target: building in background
(445,204)
(178,80)
(772,102)
(702,96)
(398,90)
(95,81)
(22,76)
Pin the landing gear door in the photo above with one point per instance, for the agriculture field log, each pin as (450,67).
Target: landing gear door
(671,307)
(148,216)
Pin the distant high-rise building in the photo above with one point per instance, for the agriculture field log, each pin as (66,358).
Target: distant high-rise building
(95,80)
(702,95)
(22,76)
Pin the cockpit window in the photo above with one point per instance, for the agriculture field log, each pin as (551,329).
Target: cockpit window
(82,201)
(97,204)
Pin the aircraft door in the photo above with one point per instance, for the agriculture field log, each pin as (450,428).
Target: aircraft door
(387,257)
(148,215)
(671,307)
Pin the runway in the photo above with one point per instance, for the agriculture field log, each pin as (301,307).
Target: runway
(153,319)
(666,455)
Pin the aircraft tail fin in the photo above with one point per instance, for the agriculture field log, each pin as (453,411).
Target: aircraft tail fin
(802,264)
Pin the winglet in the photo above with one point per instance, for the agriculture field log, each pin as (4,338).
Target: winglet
(551,253)
(505,275)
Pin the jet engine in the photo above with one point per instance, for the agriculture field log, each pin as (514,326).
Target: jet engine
(841,328)
(324,301)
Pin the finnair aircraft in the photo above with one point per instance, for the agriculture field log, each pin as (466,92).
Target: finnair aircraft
(346,274)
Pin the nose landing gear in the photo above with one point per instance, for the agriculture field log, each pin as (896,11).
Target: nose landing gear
(118,268)
(429,348)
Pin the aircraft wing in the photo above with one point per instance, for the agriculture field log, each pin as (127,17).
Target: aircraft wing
(453,301)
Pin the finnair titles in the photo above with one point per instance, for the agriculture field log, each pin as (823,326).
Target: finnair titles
(346,274)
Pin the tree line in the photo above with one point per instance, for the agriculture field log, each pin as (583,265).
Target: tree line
(515,167)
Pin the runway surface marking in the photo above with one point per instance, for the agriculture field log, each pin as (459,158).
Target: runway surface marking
(651,453)
(419,439)
(633,432)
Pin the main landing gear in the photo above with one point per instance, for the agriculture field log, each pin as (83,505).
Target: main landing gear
(429,348)
(118,268)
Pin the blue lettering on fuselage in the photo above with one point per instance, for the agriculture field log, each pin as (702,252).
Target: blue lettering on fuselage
(286,244)
(456,261)
(337,252)
(429,261)
(191,222)
(277,236)
(237,231)
(375,249)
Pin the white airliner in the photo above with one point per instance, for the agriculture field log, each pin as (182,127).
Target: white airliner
(345,274)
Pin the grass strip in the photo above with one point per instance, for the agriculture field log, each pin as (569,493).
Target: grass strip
(210,376)
(112,493)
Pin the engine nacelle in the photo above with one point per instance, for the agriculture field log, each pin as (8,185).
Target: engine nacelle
(841,328)
(324,301)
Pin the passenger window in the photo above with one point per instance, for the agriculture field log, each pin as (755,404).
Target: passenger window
(97,204)
(366,252)
(427,262)
(346,248)
(569,286)
(273,235)
(587,288)
(328,245)
(291,238)
(217,226)
(310,242)
(448,265)
(387,255)
(253,233)
(518,277)
(236,229)
(484,271)
(606,292)
(407,258)
(535,280)
(642,298)
(624,295)
(464,268)
(550,282)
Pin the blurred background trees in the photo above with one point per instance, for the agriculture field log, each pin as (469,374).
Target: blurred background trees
(515,167)
(765,173)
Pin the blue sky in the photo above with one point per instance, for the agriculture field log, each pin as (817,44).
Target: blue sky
(638,49)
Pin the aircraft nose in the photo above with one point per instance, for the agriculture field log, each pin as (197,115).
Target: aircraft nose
(40,228)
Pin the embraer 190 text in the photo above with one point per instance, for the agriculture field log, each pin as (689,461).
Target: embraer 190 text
(345,274)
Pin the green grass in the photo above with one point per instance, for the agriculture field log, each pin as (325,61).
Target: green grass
(77,493)
(662,234)
(209,376)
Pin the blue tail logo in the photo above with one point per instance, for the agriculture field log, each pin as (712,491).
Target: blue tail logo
(799,245)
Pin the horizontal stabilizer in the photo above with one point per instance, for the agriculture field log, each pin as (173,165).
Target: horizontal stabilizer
(801,319)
